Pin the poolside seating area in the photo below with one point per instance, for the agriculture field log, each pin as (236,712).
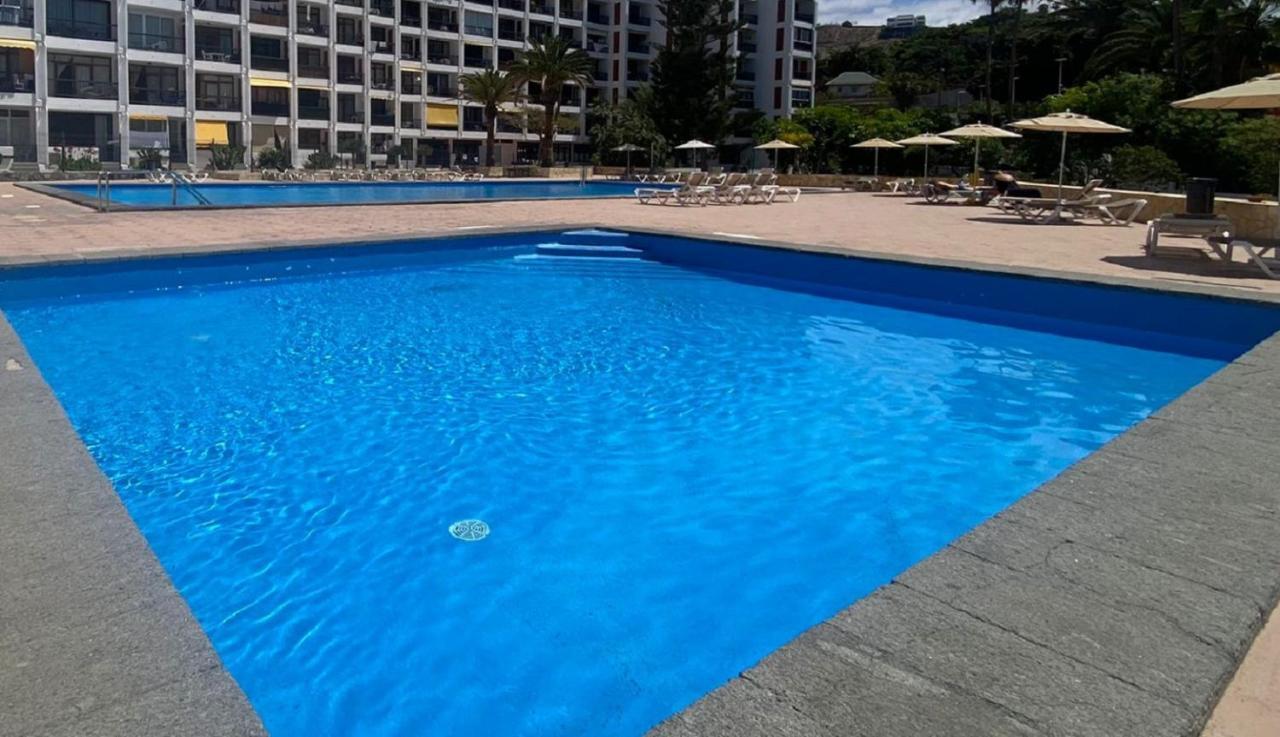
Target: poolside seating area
(699,188)
(454,174)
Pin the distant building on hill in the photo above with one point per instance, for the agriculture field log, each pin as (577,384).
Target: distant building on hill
(902,26)
(855,88)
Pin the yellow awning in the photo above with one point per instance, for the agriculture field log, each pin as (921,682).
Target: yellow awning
(17,43)
(147,116)
(442,115)
(321,87)
(211,133)
(261,82)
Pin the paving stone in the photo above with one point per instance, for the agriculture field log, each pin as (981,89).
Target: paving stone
(740,709)
(1055,694)
(1136,644)
(829,677)
(1228,408)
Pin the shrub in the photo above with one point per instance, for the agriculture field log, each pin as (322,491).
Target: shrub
(321,160)
(272,157)
(227,157)
(1144,167)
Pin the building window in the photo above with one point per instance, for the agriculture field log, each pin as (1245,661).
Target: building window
(781,40)
(777,98)
(777,69)
(15,127)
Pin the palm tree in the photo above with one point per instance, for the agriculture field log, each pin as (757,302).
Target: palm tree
(991,45)
(551,64)
(492,89)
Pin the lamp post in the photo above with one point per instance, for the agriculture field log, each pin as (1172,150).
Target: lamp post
(1061,60)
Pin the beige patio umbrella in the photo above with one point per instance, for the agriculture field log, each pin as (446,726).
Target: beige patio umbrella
(694,145)
(927,140)
(979,131)
(628,147)
(1259,93)
(1064,123)
(876,144)
(775,146)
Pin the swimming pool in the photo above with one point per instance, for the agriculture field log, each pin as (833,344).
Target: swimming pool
(295,194)
(680,467)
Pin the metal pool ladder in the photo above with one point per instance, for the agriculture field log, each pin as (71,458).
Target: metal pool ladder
(176,180)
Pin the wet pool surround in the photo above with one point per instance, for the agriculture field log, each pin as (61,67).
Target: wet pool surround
(1117,599)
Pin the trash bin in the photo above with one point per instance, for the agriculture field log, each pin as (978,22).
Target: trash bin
(1200,192)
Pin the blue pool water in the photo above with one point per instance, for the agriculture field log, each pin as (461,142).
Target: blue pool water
(351,193)
(679,471)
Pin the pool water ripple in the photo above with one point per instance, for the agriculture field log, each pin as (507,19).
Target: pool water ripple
(680,473)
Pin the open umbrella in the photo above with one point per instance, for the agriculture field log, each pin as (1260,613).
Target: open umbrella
(876,144)
(1259,93)
(927,140)
(775,145)
(628,147)
(694,145)
(1064,123)
(979,131)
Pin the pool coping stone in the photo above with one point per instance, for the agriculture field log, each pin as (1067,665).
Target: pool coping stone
(1116,599)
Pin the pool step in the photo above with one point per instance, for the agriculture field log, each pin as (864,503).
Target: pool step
(573,250)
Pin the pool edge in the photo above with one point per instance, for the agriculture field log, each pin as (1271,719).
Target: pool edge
(871,629)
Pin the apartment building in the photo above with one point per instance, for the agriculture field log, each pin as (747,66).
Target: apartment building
(106,79)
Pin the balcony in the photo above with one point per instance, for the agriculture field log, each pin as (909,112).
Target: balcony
(638,20)
(89,30)
(157,42)
(410,87)
(351,116)
(799,45)
(382,8)
(85,89)
(269,13)
(220,103)
(220,54)
(21,16)
(637,75)
(379,46)
(18,83)
(385,85)
(269,63)
(312,27)
(638,47)
(747,47)
(750,19)
(477,62)
(270,109)
(351,3)
(442,59)
(600,75)
(350,77)
(313,71)
(441,90)
(510,34)
(349,38)
(517,5)
(474,30)
(804,17)
(567,11)
(541,8)
(154,96)
(598,18)
(410,20)
(313,112)
(440,24)
(382,118)
(746,75)
(219,6)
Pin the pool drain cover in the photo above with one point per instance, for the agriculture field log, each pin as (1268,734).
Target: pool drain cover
(469,530)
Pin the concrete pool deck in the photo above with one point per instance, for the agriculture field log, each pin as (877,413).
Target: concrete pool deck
(1116,600)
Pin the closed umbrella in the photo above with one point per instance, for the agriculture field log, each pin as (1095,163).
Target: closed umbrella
(775,145)
(694,145)
(927,140)
(876,144)
(1064,123)
(628,147)
(1259,93)
(979,131)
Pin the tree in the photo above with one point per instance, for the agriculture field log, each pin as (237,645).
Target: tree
(627,122)
(991,46)
(492,89)
(693,72)
(551,64)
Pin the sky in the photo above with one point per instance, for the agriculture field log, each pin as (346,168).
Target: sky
(874,12)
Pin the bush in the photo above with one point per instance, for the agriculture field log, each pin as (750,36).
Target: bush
(272,157)
(1253,145)
(321,160)
(1144,167)
(225,158)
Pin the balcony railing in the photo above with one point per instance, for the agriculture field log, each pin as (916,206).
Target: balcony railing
(348,38)
(269,15)
(91,30)
(637,75)
(350,78)
(313,71)
(410,123)
(638,20)
(747,47)
(802,45)
(746,75)
(384,9)
(382,47)
(157,42)
(804,17)
(411,53)
(223,103)
(270,109)
(569,12)
(442,59)
(23,17)
(219,6)
(598,18)
(269,63)
(441,90)
(637,48)
(413,21)
(598,47)
(309,27)
(382,118)
(600,75)
(476,62)
(749,18)
(475,30)
(218,54)
(83,89)
(152,96)
(351,116)
(541,9)
(507,34)
(442,25)
(512,5)
(351,3)
(382,84)
(18,83)
(313,112)
(410,88)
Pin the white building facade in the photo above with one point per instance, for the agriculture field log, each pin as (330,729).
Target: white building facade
(108,80)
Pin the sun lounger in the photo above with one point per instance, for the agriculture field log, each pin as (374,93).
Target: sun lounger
(729,190)
(940,193)
(1112,212)
(687,193)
